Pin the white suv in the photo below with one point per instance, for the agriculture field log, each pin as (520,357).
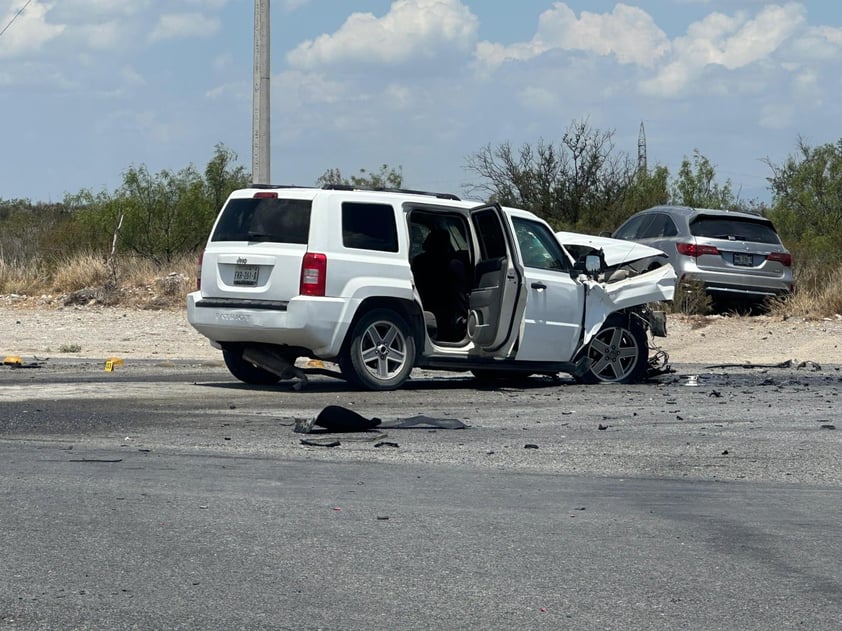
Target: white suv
(384,281)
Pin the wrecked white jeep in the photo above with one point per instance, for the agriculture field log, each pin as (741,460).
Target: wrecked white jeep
(381,282)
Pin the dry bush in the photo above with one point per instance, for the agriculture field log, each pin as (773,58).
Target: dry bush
(691,299)
(88,279)
(818,293)
(21,278)
(78,272)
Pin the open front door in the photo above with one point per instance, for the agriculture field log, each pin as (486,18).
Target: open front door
(496,300)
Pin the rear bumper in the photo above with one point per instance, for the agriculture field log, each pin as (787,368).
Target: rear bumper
(747,292)
(750,286)
(316,324)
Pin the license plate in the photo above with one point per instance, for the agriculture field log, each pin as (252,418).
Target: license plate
(746,260)
(245,275)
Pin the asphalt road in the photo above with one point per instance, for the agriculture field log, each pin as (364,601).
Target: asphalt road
(171,497)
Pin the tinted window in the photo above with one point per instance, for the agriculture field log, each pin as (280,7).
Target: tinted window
(369,227)
(660,225)
(492,242)
(629,229)
(734,229)
(538,246)
(269,219)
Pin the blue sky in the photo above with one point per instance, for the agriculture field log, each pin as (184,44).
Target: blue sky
(91,87)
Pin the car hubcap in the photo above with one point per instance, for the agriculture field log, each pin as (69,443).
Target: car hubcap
(383,350)
(614,353)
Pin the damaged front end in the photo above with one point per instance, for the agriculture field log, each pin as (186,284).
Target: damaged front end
(628,280)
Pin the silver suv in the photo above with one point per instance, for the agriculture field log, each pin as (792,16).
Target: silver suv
(737,256)
(381,282)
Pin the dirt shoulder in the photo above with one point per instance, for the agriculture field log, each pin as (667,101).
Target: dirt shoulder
(102,332)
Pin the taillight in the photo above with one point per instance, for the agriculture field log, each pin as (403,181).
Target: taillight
(784,258)
(313,274)
(265,195)
(199,271)
(691,249)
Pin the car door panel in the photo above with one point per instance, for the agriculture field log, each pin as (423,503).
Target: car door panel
(496,301)
(552,320)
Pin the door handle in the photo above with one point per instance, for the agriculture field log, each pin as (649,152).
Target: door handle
(539,286)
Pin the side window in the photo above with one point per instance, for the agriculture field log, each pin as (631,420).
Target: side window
(651,227)
(670,229)
(538,246)
(492,241)
(629,229)
(369,227)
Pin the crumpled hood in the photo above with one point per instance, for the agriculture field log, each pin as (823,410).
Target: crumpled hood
(617,251)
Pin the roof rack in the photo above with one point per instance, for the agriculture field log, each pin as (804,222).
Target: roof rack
(254,185)
(381,189)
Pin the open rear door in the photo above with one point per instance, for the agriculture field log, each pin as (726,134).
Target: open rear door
(496,301)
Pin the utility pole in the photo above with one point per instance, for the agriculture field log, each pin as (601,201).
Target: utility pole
(260,141)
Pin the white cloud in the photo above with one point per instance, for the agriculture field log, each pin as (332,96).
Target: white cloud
(185,25)
(29,31)
(628,33)
(731,42)
(103,36)
(412,29)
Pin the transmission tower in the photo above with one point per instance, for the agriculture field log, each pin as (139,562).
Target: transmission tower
(641,150)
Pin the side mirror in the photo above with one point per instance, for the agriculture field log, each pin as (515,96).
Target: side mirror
(591,264)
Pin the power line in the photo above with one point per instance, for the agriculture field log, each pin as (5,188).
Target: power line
(14,17)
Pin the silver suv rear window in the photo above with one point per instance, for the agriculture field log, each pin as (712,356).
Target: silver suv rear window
(734,229)
(264,219)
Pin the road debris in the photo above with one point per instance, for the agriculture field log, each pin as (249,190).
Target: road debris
(338,419)
(317,442)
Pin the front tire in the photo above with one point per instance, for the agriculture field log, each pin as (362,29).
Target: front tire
(381,351)
(247,372)
(618,352)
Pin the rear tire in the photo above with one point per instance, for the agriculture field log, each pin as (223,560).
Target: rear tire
(618,352)
(247,372)
(381,351)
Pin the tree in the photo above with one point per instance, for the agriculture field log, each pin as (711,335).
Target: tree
(696,186)
(161,215)
(222,176)
(26,229)
(385,177)
(165,214)
(580,183)
(807,199)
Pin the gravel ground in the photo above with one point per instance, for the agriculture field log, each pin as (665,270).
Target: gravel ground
(101,332)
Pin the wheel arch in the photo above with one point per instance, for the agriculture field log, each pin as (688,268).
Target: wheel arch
(631,321)
(408,309)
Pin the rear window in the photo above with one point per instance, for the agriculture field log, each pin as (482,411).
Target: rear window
(264,219)
(734,229)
